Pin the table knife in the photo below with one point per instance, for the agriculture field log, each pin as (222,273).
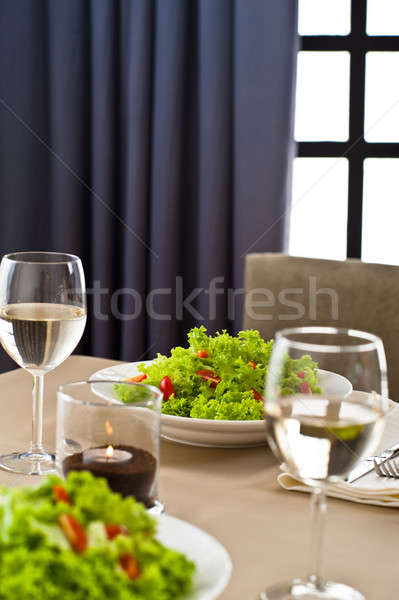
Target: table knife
(364,467)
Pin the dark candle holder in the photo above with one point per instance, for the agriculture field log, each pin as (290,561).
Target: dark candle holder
(98,433)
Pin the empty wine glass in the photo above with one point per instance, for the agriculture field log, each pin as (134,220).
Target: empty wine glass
(326,398)
(42,318)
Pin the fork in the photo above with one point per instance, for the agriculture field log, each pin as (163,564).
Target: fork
(387,468)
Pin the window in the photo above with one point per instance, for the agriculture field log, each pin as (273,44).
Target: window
(346,175)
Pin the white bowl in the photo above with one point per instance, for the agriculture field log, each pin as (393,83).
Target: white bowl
(209,432)
(213,564)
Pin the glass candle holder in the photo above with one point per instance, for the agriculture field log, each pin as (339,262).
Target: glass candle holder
(96,432)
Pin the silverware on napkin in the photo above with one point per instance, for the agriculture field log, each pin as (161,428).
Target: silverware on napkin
(364,467)
(387,468)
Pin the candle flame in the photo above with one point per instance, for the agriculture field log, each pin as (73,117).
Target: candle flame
(108,428)
(109,452)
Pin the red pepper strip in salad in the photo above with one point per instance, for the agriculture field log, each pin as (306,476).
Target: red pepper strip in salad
(166,387)
(253,365)
(61,495)
(257,396)
(74,532)
(301,374)
(202,354)
(208,375)
(129,565)
(137,378)
(305,388)
(113,530)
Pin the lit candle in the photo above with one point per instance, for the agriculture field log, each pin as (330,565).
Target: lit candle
(129,470)
(108,455)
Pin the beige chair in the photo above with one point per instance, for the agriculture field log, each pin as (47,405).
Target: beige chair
(286,291)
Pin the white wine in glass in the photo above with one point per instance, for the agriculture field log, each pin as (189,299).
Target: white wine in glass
(320,434)
(42,318)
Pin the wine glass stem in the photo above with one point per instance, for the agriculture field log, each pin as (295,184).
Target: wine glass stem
(319,511)
(37,415)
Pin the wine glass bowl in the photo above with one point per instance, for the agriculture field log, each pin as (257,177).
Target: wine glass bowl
(318,436)
(42,318)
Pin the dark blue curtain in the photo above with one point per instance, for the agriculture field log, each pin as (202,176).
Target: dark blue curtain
(153,138)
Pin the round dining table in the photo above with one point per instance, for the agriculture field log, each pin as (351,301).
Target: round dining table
(233,494)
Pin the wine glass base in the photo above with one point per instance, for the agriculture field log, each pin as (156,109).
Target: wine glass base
(304,590)
(157,509)
(28,463)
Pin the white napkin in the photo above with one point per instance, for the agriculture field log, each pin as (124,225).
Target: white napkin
(370,489)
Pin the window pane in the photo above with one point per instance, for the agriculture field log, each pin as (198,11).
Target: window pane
(319,208)
(381,211)
(324,17)
(381,122)
(383,17)
(322,96)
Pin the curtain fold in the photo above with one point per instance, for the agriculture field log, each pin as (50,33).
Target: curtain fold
(136,55)
(171,17)
(153,138)
(215,141)
(103,230)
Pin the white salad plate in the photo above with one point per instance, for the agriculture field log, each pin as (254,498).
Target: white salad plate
(213,564)
(208,432)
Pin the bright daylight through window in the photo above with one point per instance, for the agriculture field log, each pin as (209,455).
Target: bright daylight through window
(345,200)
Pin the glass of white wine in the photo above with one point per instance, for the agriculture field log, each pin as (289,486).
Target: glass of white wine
(42,318)
(325,401)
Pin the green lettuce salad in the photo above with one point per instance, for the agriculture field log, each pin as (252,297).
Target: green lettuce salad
(78,540)
(219,377)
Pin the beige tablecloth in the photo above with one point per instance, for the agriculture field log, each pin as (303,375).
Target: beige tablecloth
(233,494)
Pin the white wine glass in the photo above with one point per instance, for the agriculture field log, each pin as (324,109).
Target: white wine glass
(325,401)
(42,318)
